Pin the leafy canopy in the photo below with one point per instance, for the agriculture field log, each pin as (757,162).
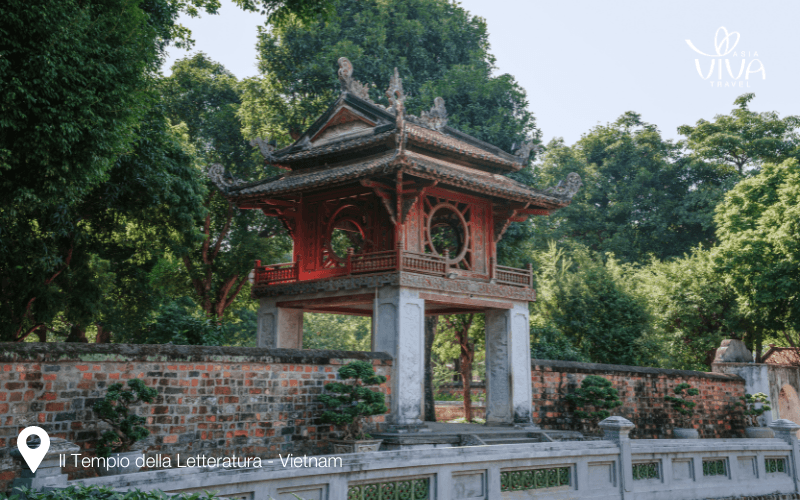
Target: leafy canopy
(744,139)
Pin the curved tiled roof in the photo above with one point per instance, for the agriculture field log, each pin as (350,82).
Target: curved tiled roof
(416,164)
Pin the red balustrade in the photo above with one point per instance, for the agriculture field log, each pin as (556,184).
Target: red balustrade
(391,260)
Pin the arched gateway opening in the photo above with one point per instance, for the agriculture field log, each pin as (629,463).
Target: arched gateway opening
(397,217)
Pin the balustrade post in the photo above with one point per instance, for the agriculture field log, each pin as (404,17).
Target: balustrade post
(786,430)
(446,260)
(399,265)
(350,252)
(617,430)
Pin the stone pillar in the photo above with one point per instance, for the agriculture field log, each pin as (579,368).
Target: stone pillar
(508,366)
(617,430)
(48,475)
(279,327)
(786,430)
(399,319)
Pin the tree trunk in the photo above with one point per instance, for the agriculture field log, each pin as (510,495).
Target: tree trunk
(41,332)
(466,380)
(103,335)
(430,333)
(77,334)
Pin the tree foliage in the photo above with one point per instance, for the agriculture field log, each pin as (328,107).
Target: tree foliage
(115,409)
(351,403)
(587,301)
(204,96)
(759,250)
(641,196)
(437,46)
(744,139)
(593,399)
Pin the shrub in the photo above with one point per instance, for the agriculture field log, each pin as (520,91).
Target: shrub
(682,406)
(102,493)
(593,399)
(751,412)
(126,427)
(351,403)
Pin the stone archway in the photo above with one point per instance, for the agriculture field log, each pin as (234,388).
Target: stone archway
(789,403)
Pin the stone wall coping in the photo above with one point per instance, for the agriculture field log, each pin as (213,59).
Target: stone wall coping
(725,445)
(63,351)
(380,460)
(595,368)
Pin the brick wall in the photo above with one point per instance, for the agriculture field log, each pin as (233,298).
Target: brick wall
(642,392)
(217,401)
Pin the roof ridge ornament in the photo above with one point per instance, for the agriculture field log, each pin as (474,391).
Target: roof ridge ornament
(224,181)
(568,188)
(265,147)
(397,97)
(524,151)
(436,118)
(354,87)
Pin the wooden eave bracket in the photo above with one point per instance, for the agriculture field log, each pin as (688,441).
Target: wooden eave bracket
(505,215)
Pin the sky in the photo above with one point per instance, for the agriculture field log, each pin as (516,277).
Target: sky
(585,63)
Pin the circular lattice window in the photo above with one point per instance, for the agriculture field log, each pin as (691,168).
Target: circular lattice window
(345,233)
(447,231)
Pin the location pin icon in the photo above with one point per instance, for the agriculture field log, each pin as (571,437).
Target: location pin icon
(33,456)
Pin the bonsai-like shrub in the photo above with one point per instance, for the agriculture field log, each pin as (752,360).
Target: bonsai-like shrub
(352,402)
(126,427)
(682,406)
(751,412)
(593,399)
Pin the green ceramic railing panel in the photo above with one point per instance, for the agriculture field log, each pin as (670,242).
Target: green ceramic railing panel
(715,468)
(646,471)
(408,489)
(534,479)
(775,464)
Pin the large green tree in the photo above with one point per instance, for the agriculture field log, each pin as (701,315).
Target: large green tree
(74,80)
(744,139)
(641,195)
(588,302)
(759,250)
(437,46)
(204,96)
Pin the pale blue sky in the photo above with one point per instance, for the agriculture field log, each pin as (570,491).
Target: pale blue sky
(587,62)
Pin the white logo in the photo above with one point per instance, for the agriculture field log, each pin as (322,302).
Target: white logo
(33,456)
(725,43)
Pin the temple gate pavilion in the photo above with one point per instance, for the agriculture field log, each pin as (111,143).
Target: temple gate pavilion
(398,217)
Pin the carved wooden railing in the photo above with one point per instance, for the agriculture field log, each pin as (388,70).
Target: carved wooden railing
(276,273)
(512,276)
(372,262)
(425,263)
(390,260)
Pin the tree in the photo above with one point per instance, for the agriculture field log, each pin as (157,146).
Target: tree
(692,308)
(438,48)
(287,10)
(74,79)
(336,331)
(459,327)
(744,139)
(641,196)
(587,301)
(759,250)
(120,228)
(205,96)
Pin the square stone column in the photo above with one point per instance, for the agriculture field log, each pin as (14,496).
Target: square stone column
(508,365)
(399,319)
(279,327)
